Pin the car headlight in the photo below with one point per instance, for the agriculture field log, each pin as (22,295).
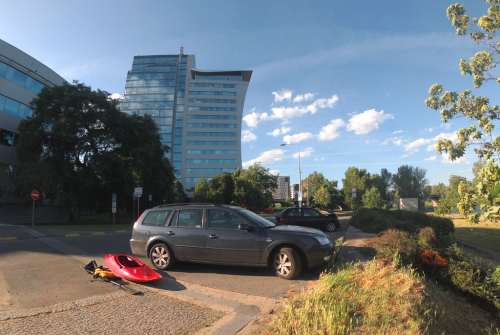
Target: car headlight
(323,240)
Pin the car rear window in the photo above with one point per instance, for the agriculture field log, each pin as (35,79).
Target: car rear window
(156,218)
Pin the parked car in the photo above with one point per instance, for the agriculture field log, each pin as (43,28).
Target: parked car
(308,217)
(223,234)
(267,211)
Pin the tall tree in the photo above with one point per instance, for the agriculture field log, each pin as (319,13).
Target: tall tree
(360,179)
(263,182)
(78,148)
(222,188)
(449,203)
(373,199)
(311,183)
(440,188)
(179,196)
(482,67)
(201,191)
(323,198)
(410,182)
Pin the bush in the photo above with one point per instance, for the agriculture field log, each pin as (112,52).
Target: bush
(397,243)
(373,220)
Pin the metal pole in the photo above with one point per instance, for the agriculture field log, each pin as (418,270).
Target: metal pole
(133,206)
(300,179)
(307,191)
(33,215)
(138,210)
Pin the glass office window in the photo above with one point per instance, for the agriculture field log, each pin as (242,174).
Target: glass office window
(29,81)
(195,180)
(165,129)
(179,116)
(213,101)
(177,148)
(212,117)
(166,137)
(166,112)
(179,108)
(177,157)
(208,170)
(211,134)
(211,152)
(211,161)
(10,73)
(178,131)
(211,125)
(11,107)
(213,109)
(177,165)
(178,140)
(211,143)
(37,86)
(2,102)
(212,93)
(19,78)
(212,85)
(3,69)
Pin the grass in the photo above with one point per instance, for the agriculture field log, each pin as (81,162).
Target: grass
(483,235)
(379,299)
(98,222)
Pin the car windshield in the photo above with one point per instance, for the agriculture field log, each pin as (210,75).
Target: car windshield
(257,219)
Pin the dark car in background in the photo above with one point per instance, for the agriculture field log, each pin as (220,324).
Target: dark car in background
(230,235)
(308,217)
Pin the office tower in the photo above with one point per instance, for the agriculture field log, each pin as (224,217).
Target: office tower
(199,112)
(22,77)
(283,189)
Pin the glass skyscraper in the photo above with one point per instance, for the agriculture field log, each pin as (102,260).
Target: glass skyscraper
(199,112)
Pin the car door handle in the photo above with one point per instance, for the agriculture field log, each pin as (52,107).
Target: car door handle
(170,233)
(213,236)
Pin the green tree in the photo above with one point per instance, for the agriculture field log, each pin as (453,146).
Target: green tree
(322,198)
(386,184)
(201,191)
(450,202)
(312,183)
(179,196)
(373,199)
(222,188)
(410,182)
(440,188)
(263,182)
(483,31)
(78,148)
(360,179)
(245,195)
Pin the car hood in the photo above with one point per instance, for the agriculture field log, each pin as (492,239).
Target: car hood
(296,230)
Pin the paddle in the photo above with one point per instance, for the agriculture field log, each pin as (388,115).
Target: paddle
(126,289)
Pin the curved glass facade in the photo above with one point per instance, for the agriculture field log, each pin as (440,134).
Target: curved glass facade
(22,77)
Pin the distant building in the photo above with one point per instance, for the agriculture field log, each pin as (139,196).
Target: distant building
(198,112)
(282,192)
(294,191)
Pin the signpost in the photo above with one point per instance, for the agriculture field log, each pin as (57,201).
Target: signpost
(113,207)
(150,199)
(353,193)
(137,194)
(34,195)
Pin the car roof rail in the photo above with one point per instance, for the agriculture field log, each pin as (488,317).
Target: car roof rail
(187,204)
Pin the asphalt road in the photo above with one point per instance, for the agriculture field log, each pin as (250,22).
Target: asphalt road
(35,274)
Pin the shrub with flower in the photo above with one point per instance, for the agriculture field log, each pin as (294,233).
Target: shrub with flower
(431,262)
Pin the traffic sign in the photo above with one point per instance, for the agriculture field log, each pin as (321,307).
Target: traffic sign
(35,195)
(138,191)
(150,197)
(354,189)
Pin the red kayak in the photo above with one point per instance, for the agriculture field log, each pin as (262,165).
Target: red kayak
(128,267)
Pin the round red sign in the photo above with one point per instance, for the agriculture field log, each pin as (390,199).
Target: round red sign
(35,195)
(354,190)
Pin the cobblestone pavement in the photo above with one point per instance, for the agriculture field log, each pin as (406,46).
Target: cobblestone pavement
(124,314)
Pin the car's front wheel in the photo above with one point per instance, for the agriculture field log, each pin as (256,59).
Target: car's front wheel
(331,226)
(287,263)
(161,256)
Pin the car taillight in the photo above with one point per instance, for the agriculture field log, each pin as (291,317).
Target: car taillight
(139,218)
(281,220)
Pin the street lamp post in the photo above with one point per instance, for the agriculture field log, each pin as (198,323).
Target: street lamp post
(300,175)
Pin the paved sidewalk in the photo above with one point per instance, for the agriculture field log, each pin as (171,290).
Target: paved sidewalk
(352,248)
(23,232)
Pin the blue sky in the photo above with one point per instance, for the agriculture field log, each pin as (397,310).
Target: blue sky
(346,80)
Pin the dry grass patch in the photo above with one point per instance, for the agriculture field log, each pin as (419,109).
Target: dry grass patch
(379,299)
(483,235)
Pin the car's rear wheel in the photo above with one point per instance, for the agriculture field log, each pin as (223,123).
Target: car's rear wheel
(161,256)
(287,263)
(331,226)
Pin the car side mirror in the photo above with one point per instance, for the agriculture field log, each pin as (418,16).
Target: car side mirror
(243,226)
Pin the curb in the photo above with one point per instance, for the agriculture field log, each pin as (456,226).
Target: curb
(37,234)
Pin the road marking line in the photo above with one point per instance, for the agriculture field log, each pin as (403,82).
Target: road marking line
(98,233)
(7,238)
(71,235)
(121,231)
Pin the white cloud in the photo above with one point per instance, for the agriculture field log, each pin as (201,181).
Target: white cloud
(372,141)
(319,159)
(430,130)
(247,136)
(289,112)
(432,158)
(398,132)
(304,153)
(398,140)
(285,121)
(403,156)
(330,131)
(284,94)
(446,159)
(274,172)
(252,119)
(445,125)
(115,96)
(303,97)
(281,131)
(267,157)
(367,121)
(322,103)
(289,139)
(413,146)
